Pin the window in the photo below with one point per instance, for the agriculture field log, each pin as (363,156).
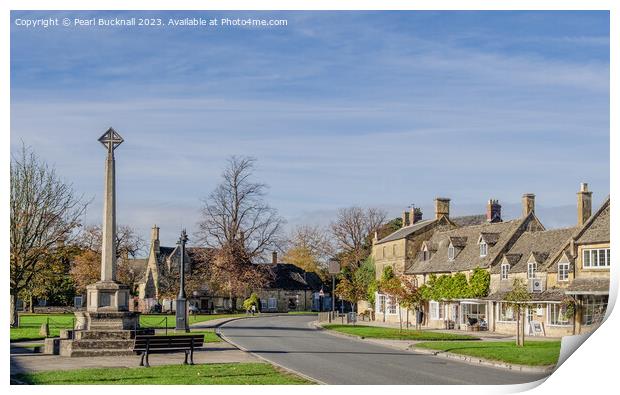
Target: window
(383,252)
(557,314)
(531,270)
(563,272)
(594,308)
(506,312)
(272,303)
(380,303)
(394,250)
(504,271)
(484,249)
(476,311)
(425,254)
(596,258)
(263,304)
(391,305)
(451,252)
(436,310)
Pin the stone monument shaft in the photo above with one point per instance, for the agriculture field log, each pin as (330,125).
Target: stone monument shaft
(108,247)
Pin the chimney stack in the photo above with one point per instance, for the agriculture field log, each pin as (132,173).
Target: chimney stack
(494,211)
(415,215)
(404,219)
(274,257)
(155,237)
(584,204)
(442,207)
(528,203)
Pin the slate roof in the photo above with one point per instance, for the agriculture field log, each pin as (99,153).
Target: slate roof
(290,277)
(467,257)
(406,231)
(596,229)
(403,232)
(469,220)
(591,286)
(542,244)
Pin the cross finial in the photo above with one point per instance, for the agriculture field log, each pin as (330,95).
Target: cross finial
(111,139)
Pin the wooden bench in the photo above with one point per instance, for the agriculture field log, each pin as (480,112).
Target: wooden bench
(146,345)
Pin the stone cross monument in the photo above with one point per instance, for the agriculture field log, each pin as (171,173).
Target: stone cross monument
(107,295)
(107,327)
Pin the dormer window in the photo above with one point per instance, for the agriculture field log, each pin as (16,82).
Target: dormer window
(484,248)
(531,270)
(425,254)
(451,252)
(504,271)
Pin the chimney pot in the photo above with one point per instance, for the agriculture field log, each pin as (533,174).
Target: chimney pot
(274,257)
(494,211)
(404,219)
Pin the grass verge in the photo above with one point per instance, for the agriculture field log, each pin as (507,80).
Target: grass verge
(534,353)
(376,332)
(224,373)
(30,324)
(209,335)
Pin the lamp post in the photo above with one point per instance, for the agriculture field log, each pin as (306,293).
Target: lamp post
(181,312)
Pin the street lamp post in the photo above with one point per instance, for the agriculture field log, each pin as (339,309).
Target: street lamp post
(181,313)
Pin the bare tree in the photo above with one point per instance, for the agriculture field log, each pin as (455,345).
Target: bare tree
(238,223)
(353,229)
(310,248)
(45,211)
(128,242)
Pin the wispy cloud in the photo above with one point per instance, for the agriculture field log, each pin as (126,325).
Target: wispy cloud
(340,108)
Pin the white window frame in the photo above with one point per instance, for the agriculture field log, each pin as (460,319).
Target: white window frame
(553,311)
(531,270)
(451,252)
(504,270)
(434,310)
(598,252)
(594,309)
(270,305)
(563,271)
(391,306)
(484,249)
(507,307)
(381,303)
(425,254)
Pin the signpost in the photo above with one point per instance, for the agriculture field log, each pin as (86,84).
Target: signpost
(334,269)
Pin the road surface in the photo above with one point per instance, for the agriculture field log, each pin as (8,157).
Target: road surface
(293,342)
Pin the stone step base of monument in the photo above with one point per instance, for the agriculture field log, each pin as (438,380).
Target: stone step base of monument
(94,348)
(103,335)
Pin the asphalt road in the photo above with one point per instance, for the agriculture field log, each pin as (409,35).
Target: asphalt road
(292,342)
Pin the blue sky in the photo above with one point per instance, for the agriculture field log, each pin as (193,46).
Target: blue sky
(340,108)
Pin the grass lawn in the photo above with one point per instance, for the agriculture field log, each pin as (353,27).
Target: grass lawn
(535,353)
(30,324)
(209,335)
(159,320)
(225,373)
(377,332)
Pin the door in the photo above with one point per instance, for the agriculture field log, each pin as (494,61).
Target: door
(529,317)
